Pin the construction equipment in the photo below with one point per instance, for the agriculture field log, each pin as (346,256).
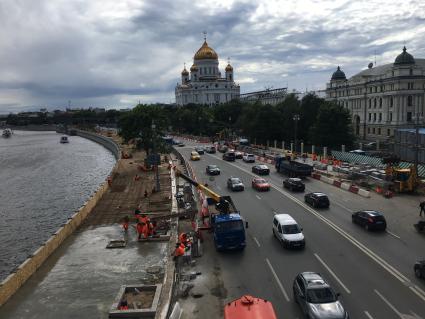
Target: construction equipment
(404,179)
(225,220)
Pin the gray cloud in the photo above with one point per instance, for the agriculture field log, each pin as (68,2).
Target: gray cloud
(114,53)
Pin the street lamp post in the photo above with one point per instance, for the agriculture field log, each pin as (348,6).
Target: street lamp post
(296,118)
(419,119)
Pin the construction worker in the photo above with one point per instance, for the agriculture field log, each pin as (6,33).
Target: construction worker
(184,239)
(139,228)
(179,251)
(123,305)
(422,208)
(126,221)
(144,219)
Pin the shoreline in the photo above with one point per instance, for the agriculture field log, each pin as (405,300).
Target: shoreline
(12,283)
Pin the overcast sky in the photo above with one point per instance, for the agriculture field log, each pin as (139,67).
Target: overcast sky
(113,53)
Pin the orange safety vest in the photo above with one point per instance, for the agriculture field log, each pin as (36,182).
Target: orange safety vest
(139,228)
(179,251)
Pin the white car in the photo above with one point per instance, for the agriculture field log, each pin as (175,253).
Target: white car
(286,229)
(249,158)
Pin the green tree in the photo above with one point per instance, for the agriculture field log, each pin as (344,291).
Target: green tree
(138,124)
(332,126)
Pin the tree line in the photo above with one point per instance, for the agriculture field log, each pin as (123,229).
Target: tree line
(321,123)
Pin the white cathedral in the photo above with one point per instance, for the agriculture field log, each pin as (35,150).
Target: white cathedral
(204,84)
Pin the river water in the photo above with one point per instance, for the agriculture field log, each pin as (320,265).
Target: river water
(42,183)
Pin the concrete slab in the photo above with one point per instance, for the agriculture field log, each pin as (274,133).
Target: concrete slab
(81,278)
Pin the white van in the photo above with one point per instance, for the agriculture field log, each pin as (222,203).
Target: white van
(289,233)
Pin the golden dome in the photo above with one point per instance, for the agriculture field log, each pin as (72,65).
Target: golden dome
(205,52)
(185,72)
(193,68)
(229,68)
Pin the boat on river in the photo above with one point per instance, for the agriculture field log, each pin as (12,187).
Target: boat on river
(64,139)
(7,132)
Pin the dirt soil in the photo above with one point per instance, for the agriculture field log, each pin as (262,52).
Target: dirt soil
(139,300)
(127,191)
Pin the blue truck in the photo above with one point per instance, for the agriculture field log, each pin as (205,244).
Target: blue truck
(292,168)
(225,221)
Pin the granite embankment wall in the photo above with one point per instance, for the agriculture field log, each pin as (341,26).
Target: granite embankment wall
(16,279)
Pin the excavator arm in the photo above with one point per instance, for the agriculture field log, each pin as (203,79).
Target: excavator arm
(217,198)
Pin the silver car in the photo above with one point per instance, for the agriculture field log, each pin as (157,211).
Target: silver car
(316,298)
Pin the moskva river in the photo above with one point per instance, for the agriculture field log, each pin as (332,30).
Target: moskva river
(42,183)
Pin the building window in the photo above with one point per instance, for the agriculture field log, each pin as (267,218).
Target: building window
(217,97)
(368,130)
(370,117)
(410,85)
(374,103)
(392,73)
(230,77)
(391,116)
(409,100)
(373,130)
(379,131)
(388,132)
(380,117)
(216,85)
(411,72)
(370,103)
(391,101)
(374,117)
(380,102)
(409,117)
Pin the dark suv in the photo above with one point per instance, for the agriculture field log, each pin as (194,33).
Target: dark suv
(212,170)
(420,269)
(317,200)
(235,184)
(229,156)
(369,219)
(294,184)
(316,298)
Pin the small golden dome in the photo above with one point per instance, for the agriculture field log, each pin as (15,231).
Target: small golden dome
(185,72)
(205,52)
(229,68)
(193,68)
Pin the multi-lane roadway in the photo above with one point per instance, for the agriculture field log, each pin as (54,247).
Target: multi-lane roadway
(372,271)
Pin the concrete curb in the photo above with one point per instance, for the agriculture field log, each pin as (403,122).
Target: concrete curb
(343,185)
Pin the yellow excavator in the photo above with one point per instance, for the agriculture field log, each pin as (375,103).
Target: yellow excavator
(404,179)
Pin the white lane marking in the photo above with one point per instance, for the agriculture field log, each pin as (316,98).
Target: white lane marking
(258,197)
(368,315)
(256,241)
(389,304)
(277,280)
(392,234)
(381,262)
(418,291)
(332,273)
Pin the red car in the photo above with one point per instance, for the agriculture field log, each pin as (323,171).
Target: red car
(260,184)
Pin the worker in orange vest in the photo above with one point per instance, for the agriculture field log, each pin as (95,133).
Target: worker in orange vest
(184,239)
(139,229)
(125,223)
(144,219)
(179,251)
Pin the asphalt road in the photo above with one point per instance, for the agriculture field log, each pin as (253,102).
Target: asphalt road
(372,271)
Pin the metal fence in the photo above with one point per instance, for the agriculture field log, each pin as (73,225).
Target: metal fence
(373,161)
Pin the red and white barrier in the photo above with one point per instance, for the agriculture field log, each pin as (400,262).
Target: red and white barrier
(346,186)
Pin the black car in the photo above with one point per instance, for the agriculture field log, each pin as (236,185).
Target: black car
(420,269)
(369,219)
(210,149)
(317,200)
(229,156)
(261,169)
(294,184)
(212,170)
(235,184)
(200,150)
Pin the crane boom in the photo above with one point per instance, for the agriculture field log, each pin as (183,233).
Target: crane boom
(199,186)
